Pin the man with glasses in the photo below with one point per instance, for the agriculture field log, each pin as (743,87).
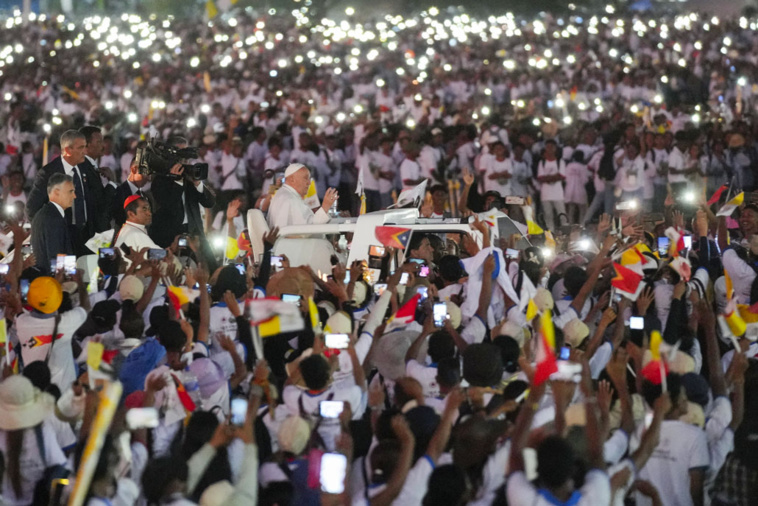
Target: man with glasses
(287,206)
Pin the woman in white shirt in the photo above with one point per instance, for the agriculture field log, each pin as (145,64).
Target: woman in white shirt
(23,410)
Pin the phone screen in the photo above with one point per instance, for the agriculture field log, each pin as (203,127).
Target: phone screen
(291,298)
(276,261)
(60,263)
(376,251)
(239,411)
(424,271)
(511,253)
(70,265)
(332,475)
(379,288)
(331,409)
(24,288)
(107,252)
(440,314)
(404,278)
(156,254)
(663,245)
(4,268)
(240,268)
(565,353)
(182,243)
(688,241)
(424,291)
(337,341)
(636,323)
(142,418)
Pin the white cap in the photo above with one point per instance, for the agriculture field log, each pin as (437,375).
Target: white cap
(292,168)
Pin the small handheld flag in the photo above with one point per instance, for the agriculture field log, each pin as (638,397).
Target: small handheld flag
(393,237)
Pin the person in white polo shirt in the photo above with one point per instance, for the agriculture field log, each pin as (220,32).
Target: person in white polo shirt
(287,206)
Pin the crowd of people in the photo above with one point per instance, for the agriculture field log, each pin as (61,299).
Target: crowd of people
(153,356)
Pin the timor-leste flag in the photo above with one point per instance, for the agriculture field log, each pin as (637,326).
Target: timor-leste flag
(546,363)
(626,279)
(393,237)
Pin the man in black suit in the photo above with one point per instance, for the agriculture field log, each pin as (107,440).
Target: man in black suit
(91,200)
(51,235)
(94,150)
(132,186)
(177,200)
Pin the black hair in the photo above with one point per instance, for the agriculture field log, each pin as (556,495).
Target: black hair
(482,365)
(555,461)
(88,131)
(415,242)
(316,372)
(509,352)
(441,345)
(573,280)
(169,469)
(448,372)
(132,323)
(199,430)
(651,391)
(229,278)
(171,336)
(132,206)
(448,486)
(383,460)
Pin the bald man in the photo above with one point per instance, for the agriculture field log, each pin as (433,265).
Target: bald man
(287,206)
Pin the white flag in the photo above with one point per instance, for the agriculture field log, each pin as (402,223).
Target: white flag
(410,196)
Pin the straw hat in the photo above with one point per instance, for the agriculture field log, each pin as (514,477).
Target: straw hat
(22,405)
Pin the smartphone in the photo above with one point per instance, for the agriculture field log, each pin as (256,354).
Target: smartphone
(60,263)
(336,341)
(156,254)
(424,271)
(4,268)
(688,241)
(240,268)
(424,291)
(239,411)
(663,245)
(291,298)
(565,353)
(404,278)
(182,243)
(276,262)
(26,249)
(376,251)
(106,252)
(330,409)
(24,288)
(511,253)
(379,289)
(69,264)
(637,323)
(332,474)
(142,418)
(440,314)
(347,277)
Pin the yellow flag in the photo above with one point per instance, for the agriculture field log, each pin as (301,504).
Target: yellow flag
(94,355)
(210,8)
(546,325)
(533,228)
(736,324)
(3,331)
(232,248)
(655,344)
(207,82)
(311,197)
(531,310)
(313,311)
(363,204)
(729,286)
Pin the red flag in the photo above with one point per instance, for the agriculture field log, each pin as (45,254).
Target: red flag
(393,237)
(546,364)
(243,241)
(184,397)
(652,371)
(626,279)
(716,195)
(405,315)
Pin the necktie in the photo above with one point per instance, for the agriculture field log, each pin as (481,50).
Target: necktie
(139,192)
(80,207)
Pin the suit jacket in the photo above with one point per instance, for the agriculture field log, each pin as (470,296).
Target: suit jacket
(168,211)
(51,236)
(97,199)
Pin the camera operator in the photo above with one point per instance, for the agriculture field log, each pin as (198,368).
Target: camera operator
(177,199)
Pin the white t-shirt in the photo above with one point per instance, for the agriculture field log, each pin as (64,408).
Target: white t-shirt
(677,160)
(425,375)
(741,273)
(409,169)
(31,464)
(492,166)
(34,333)
(551,191)
(682,447)
(596,490)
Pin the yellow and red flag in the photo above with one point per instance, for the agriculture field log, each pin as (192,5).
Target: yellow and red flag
(546,363)
(626,279)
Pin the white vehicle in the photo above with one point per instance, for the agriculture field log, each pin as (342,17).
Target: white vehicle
(350,239)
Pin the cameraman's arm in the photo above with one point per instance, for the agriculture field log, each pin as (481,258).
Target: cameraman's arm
(205,196)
